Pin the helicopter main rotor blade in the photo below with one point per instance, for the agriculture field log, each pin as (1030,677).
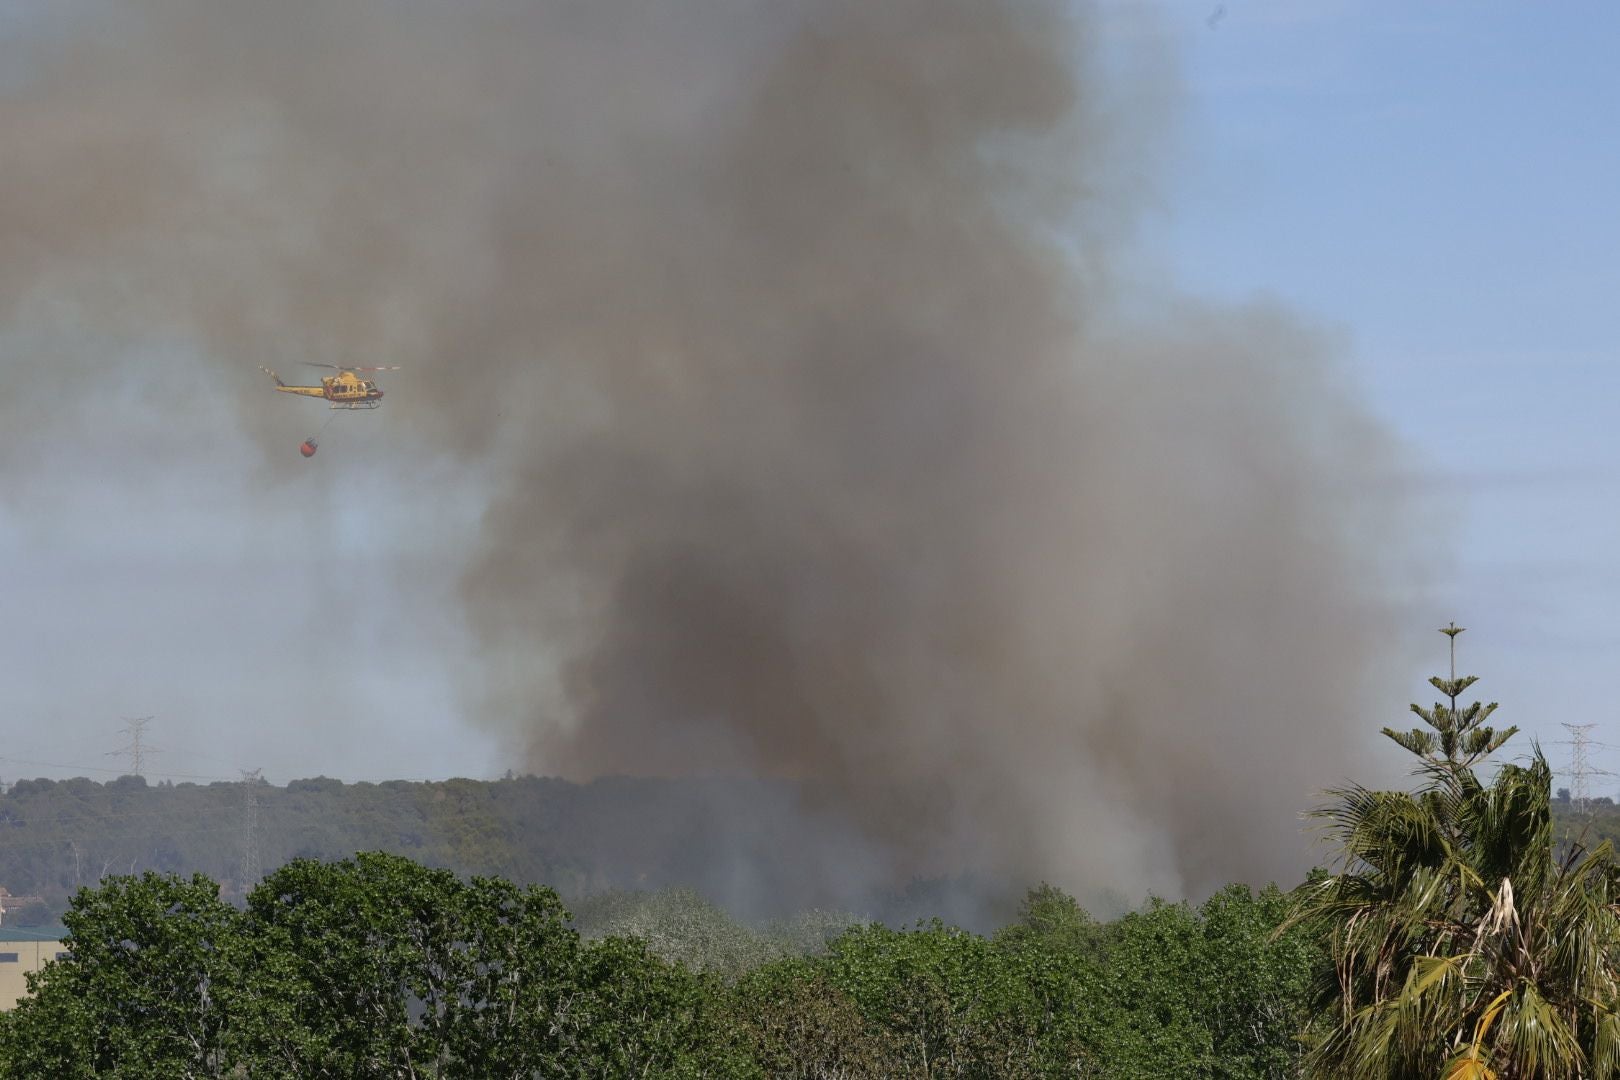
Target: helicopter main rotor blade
(349,367)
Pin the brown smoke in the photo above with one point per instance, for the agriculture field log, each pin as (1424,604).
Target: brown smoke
(826,433)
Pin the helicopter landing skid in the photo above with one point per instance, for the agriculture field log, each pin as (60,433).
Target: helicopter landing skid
(355,404)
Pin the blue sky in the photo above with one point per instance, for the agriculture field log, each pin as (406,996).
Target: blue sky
(1432,185)
(1435,184)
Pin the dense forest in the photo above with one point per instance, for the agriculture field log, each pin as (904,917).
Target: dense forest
(613,834)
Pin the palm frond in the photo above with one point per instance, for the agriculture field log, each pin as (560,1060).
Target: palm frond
(1539,1038)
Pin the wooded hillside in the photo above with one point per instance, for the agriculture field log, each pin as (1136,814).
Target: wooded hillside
(580,839)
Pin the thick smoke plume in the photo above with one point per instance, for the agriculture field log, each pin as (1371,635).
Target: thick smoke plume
(827,428)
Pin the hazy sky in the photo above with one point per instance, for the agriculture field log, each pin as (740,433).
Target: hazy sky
(1436,183)
(1431,186)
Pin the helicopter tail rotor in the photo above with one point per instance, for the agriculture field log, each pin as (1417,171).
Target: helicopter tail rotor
(273,375)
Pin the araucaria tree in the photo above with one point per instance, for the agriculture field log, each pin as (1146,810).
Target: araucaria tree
(1463,944)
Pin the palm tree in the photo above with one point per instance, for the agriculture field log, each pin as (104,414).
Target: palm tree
(1463,945)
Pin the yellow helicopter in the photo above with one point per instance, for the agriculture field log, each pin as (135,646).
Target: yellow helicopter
(345,390)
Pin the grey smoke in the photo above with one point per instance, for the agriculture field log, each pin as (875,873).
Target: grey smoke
(828,427)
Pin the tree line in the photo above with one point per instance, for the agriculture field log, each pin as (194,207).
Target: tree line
(377,966)
(582,839)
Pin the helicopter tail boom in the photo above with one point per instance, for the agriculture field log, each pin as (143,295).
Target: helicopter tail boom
(302,391)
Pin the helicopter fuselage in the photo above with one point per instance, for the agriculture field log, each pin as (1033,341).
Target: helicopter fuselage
(341,395)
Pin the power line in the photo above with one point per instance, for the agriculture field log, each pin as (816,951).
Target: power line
(349,781)
(135,729)
(250,828)
(67,766)
(1580,766)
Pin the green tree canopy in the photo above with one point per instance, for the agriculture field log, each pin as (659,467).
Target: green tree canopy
(141,995)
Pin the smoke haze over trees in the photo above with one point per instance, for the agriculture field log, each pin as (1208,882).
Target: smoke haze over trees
(598,841)
(820,424)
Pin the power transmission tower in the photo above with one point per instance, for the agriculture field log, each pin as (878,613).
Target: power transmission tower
(135,748)
(250,828)
(1580,765)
